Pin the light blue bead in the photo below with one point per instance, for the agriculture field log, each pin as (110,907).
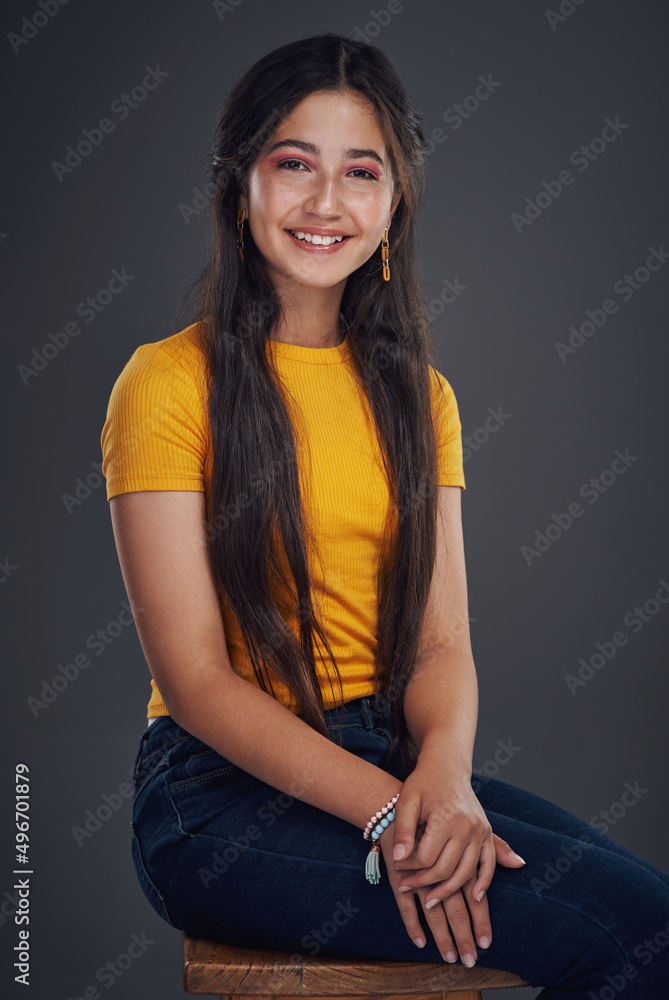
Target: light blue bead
(391,816)
(384,823)
(378,830)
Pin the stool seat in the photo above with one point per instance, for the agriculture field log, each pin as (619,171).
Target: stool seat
(227,971)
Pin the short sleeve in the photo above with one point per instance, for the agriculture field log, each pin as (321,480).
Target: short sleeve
(448,433)
(154,436)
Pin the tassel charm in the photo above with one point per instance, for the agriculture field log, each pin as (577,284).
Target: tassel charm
(372,870)
(379,822)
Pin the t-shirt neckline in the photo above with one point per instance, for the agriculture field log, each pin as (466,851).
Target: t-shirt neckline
(312,355)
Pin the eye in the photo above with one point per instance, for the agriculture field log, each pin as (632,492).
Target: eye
(370,175)
(284,163)
(289,165)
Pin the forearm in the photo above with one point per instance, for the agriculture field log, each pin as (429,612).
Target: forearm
(441,709)
(259,734)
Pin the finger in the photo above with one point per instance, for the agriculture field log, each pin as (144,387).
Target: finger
(486,870)
(408,861)
(435,837)
(440,887)
(407,814)
(406,903)
(441,932)
(430,866)
(505,855)
(479,914)
(460,924)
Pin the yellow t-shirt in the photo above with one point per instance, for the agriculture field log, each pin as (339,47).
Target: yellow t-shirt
(156,436)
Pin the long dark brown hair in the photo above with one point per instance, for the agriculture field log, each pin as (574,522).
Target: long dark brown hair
(255,523)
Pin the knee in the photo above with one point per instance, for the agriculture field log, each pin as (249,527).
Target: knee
(639,921)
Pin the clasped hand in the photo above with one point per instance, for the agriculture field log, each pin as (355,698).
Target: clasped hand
(449,858)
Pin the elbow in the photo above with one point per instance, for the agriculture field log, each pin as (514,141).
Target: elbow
(187,704)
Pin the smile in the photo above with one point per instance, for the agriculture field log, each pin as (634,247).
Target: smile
(315,242)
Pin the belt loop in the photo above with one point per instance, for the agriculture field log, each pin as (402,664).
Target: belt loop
(365,713)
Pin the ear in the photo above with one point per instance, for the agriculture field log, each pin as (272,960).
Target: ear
(242,201)
(395,203)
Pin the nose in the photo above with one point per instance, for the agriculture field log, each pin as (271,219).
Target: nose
(324,198)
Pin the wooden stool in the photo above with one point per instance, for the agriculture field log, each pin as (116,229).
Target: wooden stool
(229,973)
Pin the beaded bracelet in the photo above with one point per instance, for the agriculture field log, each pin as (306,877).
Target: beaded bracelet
(377,824)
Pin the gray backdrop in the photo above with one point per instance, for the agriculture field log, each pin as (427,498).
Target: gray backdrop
(546,211)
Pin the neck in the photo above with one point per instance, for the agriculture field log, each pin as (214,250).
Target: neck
(314,321)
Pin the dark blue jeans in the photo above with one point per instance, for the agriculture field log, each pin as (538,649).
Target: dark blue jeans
(228,857)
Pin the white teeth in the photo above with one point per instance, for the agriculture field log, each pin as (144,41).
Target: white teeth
(315,238)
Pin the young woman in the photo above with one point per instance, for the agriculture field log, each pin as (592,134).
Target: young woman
(285,476)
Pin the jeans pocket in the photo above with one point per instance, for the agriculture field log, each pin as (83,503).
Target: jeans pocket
(136,764)
(202,784)
(383,733)
(148,886)
(150,765)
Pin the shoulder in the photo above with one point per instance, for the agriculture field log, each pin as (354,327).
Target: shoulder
(173,368)
(443,396)
(179,358)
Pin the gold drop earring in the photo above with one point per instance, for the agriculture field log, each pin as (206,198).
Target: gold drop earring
(384,255)
(241,215)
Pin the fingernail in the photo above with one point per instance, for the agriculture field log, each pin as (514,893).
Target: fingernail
(405,888)
(484,942)
(431,903)
(451,956)
(398,852)
(519,857)
(420,942)
(469,960)
(480,896)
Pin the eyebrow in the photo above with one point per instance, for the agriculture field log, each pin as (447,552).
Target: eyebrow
(308,147)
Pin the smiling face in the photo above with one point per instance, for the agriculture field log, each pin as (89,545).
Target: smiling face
(323,174)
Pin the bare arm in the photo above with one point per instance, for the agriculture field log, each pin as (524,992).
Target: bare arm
(160,539)
(441,701)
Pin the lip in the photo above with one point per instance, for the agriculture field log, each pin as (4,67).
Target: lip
(319,231)
(317,248)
